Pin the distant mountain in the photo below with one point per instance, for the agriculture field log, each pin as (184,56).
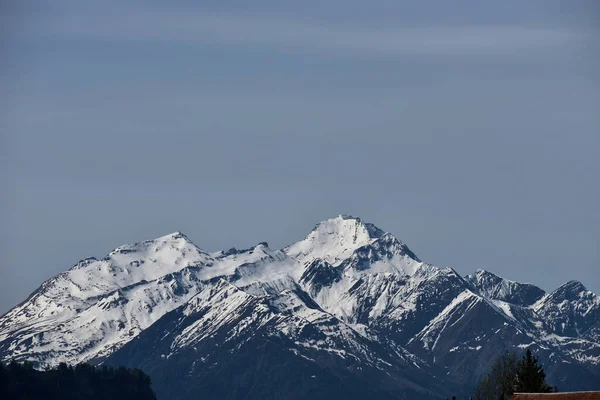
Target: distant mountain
(350,311)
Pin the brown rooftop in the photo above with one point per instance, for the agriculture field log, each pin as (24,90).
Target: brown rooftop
(557,396)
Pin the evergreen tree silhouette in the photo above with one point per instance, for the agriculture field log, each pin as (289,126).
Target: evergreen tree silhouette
(531,377)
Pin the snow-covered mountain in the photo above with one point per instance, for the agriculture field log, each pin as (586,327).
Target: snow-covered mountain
(348,310)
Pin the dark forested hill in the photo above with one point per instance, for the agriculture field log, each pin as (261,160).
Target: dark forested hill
(23,382)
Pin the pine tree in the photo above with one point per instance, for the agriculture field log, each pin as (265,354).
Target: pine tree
(499,383)
(531,377)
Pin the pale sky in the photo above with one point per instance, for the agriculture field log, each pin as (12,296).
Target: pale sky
(471,131)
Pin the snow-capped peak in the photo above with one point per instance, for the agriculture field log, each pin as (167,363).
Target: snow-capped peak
(334,240)
(572,290)
(574,287)
(175,235)
(495,287)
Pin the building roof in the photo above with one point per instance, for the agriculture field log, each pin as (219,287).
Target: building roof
(557,396)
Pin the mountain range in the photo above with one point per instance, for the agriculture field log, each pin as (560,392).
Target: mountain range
(348,311)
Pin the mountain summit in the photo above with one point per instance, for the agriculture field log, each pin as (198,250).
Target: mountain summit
(347,311)
(334,240)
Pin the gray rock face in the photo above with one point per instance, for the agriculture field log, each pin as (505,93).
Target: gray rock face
(348,311)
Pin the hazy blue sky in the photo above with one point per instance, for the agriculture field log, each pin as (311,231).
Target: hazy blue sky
(469,130)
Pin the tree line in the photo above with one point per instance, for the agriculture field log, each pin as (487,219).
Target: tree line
(81,382)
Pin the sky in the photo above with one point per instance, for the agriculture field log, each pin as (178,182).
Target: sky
(469,129)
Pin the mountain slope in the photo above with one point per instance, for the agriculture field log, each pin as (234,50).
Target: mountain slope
(258,338)
(98,305)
